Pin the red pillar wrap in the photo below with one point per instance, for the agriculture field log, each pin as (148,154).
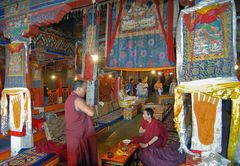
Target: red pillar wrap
(37,96)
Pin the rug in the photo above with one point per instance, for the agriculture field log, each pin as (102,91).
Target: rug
(4,144)
(28,157)
(111,117)
(169,124)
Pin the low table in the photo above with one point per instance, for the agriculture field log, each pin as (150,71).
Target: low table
(119,159)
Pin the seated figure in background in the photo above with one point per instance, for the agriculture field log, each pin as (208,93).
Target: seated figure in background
(158,86)
(125,101)
(173,85)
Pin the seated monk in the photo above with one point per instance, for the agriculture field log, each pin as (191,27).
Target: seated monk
(153,150)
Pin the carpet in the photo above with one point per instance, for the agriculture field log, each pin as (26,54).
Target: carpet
(169,124)
(4,144)
(110,118)
(28,157)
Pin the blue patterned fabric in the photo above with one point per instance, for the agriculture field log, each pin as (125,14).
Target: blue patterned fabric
(146,51)
(139,42)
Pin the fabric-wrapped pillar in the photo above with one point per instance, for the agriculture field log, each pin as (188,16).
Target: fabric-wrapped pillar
(16,99)
(37,86)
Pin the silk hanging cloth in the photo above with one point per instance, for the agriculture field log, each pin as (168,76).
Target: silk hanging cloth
(206,45)
(207,123)
(16,65)
(90,42)
(221,91)
(19,113)
(136,38)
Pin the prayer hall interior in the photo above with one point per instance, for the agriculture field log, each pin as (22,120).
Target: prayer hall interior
(161,77)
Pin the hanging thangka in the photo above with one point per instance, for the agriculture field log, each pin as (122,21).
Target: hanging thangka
(137,37)
(91,20)
(15,65)
(206,43)
(15,56)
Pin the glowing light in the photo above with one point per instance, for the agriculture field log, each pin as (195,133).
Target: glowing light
(171,73)
(159,73)
(53,77)
(75,78)
(153,72)
(110,75)
(236,67)
(95,57)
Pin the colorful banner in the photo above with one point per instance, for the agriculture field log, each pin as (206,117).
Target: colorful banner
(206,43)
(136,37)
(90,43)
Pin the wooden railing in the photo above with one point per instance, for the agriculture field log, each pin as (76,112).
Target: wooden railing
(52,97)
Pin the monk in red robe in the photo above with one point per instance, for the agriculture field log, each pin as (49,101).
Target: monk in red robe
(79,129)
(153,150)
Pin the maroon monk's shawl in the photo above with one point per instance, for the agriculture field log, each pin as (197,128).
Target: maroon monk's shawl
(80,136)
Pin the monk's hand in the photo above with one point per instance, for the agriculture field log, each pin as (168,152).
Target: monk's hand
(142,145)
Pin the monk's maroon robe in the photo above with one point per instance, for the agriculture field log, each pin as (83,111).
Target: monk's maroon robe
(157,154)
(80,136)
(152,129)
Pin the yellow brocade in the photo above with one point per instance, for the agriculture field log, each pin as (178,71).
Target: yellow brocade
(207,9)
(223,91)
(16,104)
(205,112)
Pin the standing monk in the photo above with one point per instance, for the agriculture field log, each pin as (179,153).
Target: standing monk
(79,130)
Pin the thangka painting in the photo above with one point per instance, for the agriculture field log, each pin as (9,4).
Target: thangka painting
(137,36)
(15,59)
(206,43)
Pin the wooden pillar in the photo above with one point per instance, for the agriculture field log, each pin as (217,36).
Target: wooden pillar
(70,76)
(60,99)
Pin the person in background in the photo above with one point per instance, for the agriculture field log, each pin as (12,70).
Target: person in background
(145,87)
(45,92)
(130,87)
(172,87)
(158,86)
(79,129)
(140,90)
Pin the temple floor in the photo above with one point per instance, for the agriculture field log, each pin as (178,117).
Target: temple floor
(124,129)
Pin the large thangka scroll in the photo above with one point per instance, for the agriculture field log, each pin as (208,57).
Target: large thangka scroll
(136,37)
(16,65)
(206,43)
